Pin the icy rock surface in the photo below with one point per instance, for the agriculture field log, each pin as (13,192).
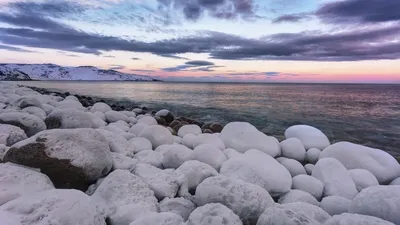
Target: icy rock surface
(213,214)
(179,206)
(292,148)
(356,219)
(309,184)
(310,136)
(335,205)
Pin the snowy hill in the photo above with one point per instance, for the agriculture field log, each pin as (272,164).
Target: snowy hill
(56,72)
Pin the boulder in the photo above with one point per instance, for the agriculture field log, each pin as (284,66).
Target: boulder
(210,155)
(70,104)
(176,155)
(279,215)
(189,129)
(246,200)
(298,196)
(27,101)
(208,139)
(166,115)
(335,205)
(157,135)
(310,136)
(16,181)
(379,201)
(29,123)
(261,169)
(114,116)
(147,120)
(309,168)
(213,214)
(292,148)
(356,219)
(294,167)
(70,158)
(395,181)
(243,136)
(151,157)
(117,143)
(55,207)
(138,128)
(309,184)
(382,165)
(179,206)
(188,140)
(140,144)
(36,111)
(100,115)
(312,155)
(310,210)
(216,127)
(100,107)
(68,119)
(163,218)
(337,180)
(97,122)
(10,134)
(122,162)
(48,108)
(363,178)
(230,153)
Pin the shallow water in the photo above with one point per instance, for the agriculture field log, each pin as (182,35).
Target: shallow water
(362,113)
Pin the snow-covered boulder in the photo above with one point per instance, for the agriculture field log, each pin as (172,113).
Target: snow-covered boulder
(166,115)
(150,157)
(243,136)
(298,196)
(188,140)
(176,155)
(395,181)
(100,107)
(29,123)
(294,167)
(36,111)
(70,104)
(10,134)
(213,214)
(138,128)
(292,148)
(114,116)
(3,150)
(363,178)
(118,143)
(164,184)
(230,153)
(310,210)
(310,136)
(27,101)
(164,218)
(119,195)
(100,115)
(279,215)
(356,219)
(379,201)
(308,184)
(312,155)
(309,168)
(189,129)
(210,155)
(382,165)
(177,140)
(157,135)
(148,120)
(68,119)
(335,205)
(140,144)
(122,162)
(261,169)
(55,207)
(97,122)
(246,200)
(337,180)
(210,139)
(48,108)
(179,206)
(16,181)
(70,158)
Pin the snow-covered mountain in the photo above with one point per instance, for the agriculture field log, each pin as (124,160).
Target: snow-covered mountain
(56,72)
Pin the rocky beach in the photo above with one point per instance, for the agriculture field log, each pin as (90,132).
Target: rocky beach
(70,159)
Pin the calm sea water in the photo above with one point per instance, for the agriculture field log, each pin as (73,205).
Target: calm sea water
(364,114)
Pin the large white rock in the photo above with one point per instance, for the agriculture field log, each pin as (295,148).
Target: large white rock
(55,207)
(176,155)
(243,136)
(188,140)
(279,215)
(16,181)
(210,155)
(157,135)
(97,122)
(36,111)
(189,129)
(48,108)
(335,205)
(114,116)
(230,153)
(100,107)
(395,181)
(179,206)
(308,184)
(150,157)
(310,210)
(118,143)
(140,144)
(261,169)
(213,214)
(337,180)
(68,119)
(294,167)
(10,134)
(208,139)
(382,165)
(379,201)
(70,104)
(100,115)
(312,155)
(122,162)
(310,136)
(292,148)
(298,196)
(246,200)
(29,123)
(363,178)
(120,190)
(164,218)
(138,128)
(356,219)
(27,101)
(148,120)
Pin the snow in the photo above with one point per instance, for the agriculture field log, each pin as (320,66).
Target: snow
(150,157)
(177,140)
(26,101)
(337,180)
(68,119)
(120,161)
(179,206)
(10,134)
(16,181)
(310,210)
(97,122)
(208,139)
(395,181)
(230,153)
(48,108)
(213,214)
(188,140)
(100,107)
(117,143)
(129,114)
(335,205)
(294,167)
(148,120)
(309,184)
(114,116)
(310,136)
(36,111)
(280,215)
(157,135)
(140,144)
(379,201)
(363,178)
(176,155)
(261,169)
(55,207)
(382,165)
(29,123)
(138,128)
(70,104)
(163,113)
(309,168)
(189,129)
(163,218)
(312,155)
(100,115)
(243,136)
(246,200)
(210,155)
(356,219)
(298,196)
(292,148)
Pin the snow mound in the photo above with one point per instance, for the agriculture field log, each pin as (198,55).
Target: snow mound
(213,214)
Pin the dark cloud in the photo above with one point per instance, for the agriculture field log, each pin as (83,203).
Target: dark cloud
(134,58)
(199,63)
(172,56)
(291,18)
(272,74)
(360,11)
(116,67)
(195,65)
(108,56)
(13,49)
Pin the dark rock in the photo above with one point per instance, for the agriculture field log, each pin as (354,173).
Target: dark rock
(102,100)
(145,108)
(169,117)
(177,127)
(207,131)
(216,127)
(160,120)
(122,108)
(184,123)
(83,97)
(67,94)
(89,98)
(52,122)
(174,123)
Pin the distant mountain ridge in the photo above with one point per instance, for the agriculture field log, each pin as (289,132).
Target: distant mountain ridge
(56,72)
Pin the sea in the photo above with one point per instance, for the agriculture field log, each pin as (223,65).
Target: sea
(367,114)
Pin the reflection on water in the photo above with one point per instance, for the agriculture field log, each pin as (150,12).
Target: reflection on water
(366,114)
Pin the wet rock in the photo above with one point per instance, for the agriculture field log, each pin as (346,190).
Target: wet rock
(216,127)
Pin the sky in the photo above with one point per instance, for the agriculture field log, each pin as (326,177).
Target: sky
(210,40)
